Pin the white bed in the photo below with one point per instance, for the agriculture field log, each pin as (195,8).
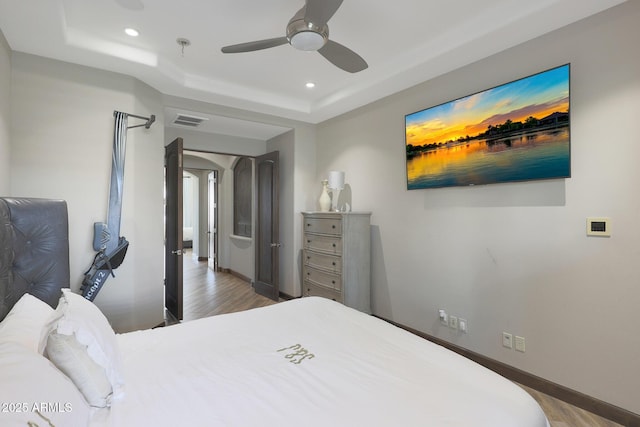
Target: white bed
(309,361)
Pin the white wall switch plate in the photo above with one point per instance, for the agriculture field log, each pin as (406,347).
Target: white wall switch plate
(520,343)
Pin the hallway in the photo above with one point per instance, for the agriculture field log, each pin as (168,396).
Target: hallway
(207,293)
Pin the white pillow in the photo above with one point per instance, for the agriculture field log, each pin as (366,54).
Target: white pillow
(34,391)
(72,359)
(25,323)
(83,320)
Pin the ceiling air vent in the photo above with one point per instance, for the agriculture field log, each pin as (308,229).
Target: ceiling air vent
(192,121)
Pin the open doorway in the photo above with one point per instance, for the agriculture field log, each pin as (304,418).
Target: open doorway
(201,179)
(200,214)
(206,183)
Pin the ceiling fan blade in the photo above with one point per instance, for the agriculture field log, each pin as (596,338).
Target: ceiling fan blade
(257,45)
(320,11)
(342,57)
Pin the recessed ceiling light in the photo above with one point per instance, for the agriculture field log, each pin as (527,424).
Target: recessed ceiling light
(132,32)
(310,85)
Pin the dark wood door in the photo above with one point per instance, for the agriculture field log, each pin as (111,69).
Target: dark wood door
(173,229)
(267,228)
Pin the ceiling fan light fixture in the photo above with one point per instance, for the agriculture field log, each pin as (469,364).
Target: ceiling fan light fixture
(306,35)
(307,40)
(131,32)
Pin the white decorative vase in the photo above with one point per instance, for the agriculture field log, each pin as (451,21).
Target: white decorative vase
(325,200)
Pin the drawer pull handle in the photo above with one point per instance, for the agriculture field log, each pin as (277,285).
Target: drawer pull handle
(334,245)
(333,226)
(334,263)
(333,282)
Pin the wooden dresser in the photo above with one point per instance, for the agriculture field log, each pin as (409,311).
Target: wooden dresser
(337,257)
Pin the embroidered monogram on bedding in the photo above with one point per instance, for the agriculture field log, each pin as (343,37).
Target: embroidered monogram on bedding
(296,354)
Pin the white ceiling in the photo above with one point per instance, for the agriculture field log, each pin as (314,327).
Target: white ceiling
(405,42)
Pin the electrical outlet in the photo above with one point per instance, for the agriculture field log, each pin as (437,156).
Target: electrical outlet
(453,322)
(520,343)
(507,340)
(444,319)
(462,325)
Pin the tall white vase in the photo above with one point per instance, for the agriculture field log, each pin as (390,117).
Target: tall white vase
(325,200)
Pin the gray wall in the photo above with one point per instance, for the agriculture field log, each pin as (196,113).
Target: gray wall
(515,257)
(61,144)
(305,187)
(5,116)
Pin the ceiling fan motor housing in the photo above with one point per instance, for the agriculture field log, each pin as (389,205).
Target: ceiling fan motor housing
(308,31)
(306,35)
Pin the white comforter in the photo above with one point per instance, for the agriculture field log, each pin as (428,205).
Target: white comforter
(306,362)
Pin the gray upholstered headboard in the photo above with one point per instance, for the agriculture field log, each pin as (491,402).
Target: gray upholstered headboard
(34,250)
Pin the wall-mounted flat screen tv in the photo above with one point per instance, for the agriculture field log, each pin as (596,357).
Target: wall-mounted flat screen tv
(518,131)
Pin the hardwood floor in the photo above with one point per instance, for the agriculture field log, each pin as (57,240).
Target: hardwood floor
(207,293)
(561,414)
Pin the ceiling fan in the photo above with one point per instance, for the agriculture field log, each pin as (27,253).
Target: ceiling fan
(308,30)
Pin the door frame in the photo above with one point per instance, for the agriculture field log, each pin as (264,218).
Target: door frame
(254,225)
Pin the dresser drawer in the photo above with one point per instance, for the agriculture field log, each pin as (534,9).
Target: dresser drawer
(327,244)
(323,225)
(312,290)
(326,279)
(323,261)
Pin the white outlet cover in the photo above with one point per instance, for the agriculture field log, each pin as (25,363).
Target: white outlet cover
(507,340)
(444,318)
(453,322)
